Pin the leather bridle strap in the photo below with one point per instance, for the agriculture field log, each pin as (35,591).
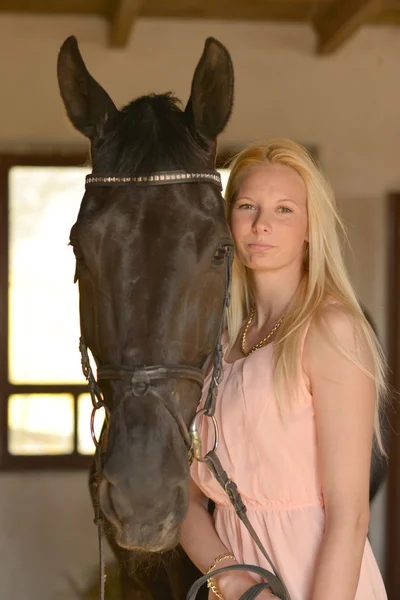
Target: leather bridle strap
(274,579)
(141,379)
(142,376)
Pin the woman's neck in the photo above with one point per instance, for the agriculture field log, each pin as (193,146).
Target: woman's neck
(272,293)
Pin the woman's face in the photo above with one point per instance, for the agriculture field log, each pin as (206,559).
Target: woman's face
(269,218)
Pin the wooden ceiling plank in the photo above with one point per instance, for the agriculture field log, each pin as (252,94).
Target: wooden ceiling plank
(334,20)
(50,7)
(122,20)
(230,10)
(341,20)
(389,16)
(270,10)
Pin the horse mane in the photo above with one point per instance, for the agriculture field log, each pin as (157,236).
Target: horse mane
(151,133)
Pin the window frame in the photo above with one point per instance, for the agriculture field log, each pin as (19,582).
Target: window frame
(392,558)
(10,462)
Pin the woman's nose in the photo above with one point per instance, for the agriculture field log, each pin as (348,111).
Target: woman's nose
(262,224)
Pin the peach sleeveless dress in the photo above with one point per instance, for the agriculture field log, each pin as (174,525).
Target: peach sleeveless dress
(275,467)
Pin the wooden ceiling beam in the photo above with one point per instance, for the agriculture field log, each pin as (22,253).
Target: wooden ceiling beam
(335,25)
(122,19)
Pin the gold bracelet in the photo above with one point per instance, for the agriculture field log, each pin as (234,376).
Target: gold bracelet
(211,585)
(210,582)
(219,558)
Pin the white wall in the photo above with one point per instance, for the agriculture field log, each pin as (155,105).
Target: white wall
(48,542)
(347,104)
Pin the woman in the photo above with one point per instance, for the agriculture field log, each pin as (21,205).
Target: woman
(299,401)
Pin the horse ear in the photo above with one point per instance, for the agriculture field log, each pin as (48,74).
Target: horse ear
(88,105)
(211,99)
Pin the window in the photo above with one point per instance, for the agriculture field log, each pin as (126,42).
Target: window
(45,407)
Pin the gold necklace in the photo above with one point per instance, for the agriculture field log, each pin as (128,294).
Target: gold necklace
(264,341)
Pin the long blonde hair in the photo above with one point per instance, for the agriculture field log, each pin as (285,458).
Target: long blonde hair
(325,275)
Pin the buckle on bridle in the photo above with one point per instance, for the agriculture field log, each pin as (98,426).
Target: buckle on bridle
(196,445)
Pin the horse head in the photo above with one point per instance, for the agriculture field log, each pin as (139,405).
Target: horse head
(151,266)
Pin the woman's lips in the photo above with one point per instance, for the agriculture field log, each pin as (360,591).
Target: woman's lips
(260,247)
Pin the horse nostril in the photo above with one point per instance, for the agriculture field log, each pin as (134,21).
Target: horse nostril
(181,502)
(106,502)
(180,495)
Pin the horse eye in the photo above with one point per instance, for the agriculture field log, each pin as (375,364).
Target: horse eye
(220,255)
(77,252)
(80,267)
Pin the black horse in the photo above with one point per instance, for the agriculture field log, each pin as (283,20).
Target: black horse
(150,264)
(150,261)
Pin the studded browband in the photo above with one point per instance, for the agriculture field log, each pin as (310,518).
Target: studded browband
(159,178)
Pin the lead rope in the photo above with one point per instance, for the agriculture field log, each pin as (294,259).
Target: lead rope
(99,522)
(274,580)
(97,403)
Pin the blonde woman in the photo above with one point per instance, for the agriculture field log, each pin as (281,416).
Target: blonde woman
(299,402)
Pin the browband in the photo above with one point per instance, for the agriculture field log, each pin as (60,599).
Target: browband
(159,178)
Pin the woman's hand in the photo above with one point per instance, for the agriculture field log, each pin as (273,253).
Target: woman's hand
(234,585)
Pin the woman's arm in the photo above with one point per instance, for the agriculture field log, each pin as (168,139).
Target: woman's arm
(344,400)
(202,544)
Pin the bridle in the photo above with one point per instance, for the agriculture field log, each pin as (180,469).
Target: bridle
(141,379)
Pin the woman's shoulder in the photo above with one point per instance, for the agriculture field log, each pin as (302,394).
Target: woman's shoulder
(330,314)
(334,328)
(334,314)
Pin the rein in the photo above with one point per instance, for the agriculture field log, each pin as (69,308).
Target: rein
(141,380)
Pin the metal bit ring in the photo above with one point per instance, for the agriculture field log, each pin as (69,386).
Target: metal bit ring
(96,442)
(196,449)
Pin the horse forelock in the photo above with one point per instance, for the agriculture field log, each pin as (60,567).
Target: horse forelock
(152,133)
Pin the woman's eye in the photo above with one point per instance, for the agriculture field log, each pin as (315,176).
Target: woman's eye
(284,210)
(220,255)
(246,206)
